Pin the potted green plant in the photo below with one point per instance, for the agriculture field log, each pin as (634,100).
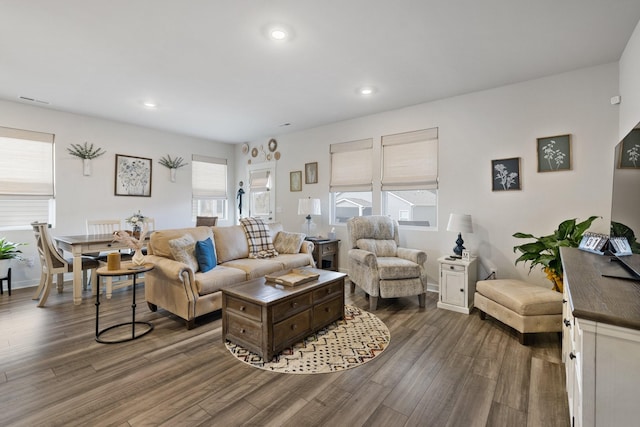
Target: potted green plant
(544,251)
(8,252)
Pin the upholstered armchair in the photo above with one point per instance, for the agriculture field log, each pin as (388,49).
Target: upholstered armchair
(379,266)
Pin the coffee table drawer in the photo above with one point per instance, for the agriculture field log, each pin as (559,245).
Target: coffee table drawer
(294,305)
(244,308)
(329,291)
(327,312)
(291,329)
(244,330)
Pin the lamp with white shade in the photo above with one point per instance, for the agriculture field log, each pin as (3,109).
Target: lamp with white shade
(309,207)
(462,224)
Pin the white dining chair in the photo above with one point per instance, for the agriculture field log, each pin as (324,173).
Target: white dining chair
(107,226)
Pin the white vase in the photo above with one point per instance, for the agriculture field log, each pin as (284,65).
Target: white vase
(172,174)
(86,167)
(138,257)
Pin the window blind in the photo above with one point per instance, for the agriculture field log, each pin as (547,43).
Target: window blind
(260,181)
(410,160)
(26,177)
(208,177)
(352,166)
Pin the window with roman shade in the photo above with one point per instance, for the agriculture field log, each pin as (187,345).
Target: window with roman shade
(209,186)
(351,181)
(410,177)
(26,178)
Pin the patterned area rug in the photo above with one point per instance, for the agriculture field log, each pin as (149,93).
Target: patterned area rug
(344,344)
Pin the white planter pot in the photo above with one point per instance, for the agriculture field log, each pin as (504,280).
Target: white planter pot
(172,174)
(86,167)
(5,264)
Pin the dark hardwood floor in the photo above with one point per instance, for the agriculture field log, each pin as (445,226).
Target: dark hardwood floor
(440,369)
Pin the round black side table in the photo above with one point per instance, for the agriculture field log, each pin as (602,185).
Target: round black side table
(126,269)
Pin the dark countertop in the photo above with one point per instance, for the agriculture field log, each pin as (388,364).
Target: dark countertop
(598,298)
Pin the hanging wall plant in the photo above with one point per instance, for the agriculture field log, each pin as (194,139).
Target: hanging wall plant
(172,164)
(86,152)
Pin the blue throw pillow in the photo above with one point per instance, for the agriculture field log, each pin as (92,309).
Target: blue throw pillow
(206,255)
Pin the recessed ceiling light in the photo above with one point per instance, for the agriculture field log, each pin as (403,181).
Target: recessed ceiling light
(150,104)
(278,34)
(367,90)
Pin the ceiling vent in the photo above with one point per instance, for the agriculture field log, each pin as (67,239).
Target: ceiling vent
(39,101)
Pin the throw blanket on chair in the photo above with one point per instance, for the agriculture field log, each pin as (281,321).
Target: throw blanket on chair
(258,237)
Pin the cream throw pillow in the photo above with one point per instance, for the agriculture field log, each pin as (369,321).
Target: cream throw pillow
(183,250)
(288,243)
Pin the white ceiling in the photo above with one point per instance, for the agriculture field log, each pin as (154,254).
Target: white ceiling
(214,73)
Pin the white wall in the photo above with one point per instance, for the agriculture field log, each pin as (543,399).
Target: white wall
(474,129)
(81,197)
(630,84)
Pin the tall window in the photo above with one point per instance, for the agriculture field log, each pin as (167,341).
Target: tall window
(209,187)
(26,178)
(351,179)
(410,177)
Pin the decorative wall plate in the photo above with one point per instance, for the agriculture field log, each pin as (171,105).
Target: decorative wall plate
(276,155)
(273,145)
(254,152)
(245,148)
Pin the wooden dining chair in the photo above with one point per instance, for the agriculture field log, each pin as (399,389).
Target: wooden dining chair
(52,262)
(208,221)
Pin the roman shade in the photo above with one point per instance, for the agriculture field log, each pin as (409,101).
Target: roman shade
(410,160)
(352,166)
(208,177)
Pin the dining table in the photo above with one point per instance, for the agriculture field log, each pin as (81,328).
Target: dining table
(82,244)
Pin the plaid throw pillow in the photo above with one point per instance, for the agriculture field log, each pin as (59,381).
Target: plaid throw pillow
(258,237)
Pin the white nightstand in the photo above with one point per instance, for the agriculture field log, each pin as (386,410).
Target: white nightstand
(457,284)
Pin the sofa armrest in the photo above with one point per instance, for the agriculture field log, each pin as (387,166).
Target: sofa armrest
(415,255)
(307,247)
(171,269)
(361,256)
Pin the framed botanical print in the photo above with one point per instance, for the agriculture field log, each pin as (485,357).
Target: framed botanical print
(311,173)
(295,181)
(554,153)
(630,151)
(133,176)
(505,174)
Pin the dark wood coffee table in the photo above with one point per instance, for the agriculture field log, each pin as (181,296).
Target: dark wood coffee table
(266,318)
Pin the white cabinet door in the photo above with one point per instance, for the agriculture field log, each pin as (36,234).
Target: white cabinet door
(453,285)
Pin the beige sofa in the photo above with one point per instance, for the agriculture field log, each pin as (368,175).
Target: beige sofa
(175,287)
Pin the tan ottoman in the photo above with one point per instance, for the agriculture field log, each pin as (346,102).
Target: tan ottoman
(526,308)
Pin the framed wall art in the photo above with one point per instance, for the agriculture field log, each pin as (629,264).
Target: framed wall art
(505,174)
(630,151)
(554,153)
(295,181)
(133,176)
(311,173)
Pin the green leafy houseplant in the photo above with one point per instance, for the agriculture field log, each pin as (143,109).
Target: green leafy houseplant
(9,250)
(544,251)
